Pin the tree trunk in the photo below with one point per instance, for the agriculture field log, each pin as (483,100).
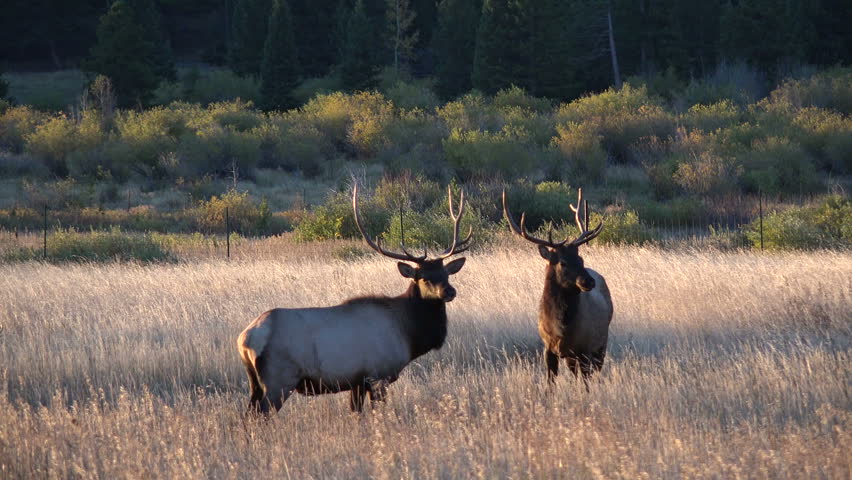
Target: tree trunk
(613,54)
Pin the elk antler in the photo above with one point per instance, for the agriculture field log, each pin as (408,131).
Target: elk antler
(456,246)
(522,230)
(378,246)
(585,234)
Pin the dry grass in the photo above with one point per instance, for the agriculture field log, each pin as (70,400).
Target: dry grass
(721,365)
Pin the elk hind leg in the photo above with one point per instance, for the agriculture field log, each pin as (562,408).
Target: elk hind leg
(356,397)
(256,391)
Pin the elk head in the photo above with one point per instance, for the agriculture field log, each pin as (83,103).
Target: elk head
(563,257)
(430,275)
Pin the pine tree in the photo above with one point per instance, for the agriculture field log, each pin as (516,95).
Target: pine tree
(502,47)
(756,31)
(125,55)
(552,51)
(249,25)
(149,16)
(314,31)
(280,68)
(359,66)
(454,43)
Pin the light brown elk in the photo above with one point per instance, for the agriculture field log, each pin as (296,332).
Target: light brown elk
(576,308)
(360,345)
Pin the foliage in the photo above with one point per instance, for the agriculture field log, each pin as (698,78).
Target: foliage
(249,24)
(16,124)
(223,85)
(95,246)
(579,147)
(620,228)
(359,65)
(710,118)
(135,75)
(776,165)
(825,224)
(478,152)
(334,220)
(455,43)
(500,46)
(245,216)
(280,69)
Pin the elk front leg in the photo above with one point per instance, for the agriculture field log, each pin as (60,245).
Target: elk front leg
(552,363)
(378,389)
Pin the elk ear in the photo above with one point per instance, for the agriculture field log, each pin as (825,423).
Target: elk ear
(545,253)
(454,266)
(406,270)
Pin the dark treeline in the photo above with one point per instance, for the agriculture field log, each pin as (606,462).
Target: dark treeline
(553,48)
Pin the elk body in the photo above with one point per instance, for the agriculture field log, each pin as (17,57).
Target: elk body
(576,307)
(358,346)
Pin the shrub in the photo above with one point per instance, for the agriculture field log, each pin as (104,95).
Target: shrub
(334,220)
(677,211)
(540,203)
(96,246)
(471,112)
(16,124)
(621,117)
(831,89)
(707,173)
(620,228)
(516,97)
(245,216)
(313,87)
(411,192)
(55,139)
(224,85)
(480,152)
(579,146)
(433,228)
(826,135)
(217,149)
(407,96)
(827,224)
(712,117)
(776,165)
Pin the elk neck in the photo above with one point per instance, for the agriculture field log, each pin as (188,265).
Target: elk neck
(558,302)
(425,321)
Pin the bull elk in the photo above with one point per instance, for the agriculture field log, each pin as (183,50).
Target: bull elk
(360,345)
(575,309)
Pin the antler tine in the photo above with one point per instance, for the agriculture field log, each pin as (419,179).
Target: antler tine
(522,230)
(585,235)
(377,246)
(456,246)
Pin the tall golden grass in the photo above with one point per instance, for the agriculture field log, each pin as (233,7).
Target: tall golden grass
(721,365)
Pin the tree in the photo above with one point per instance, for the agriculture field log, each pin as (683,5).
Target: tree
(315,35)
(359,65)
(552,50)
(124,54)
(401,32)
(756,31)
(249,25)
(501,58)
(149,17)
(454,43)
(280,69)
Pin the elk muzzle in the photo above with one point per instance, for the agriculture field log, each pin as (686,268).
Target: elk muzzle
(448,294)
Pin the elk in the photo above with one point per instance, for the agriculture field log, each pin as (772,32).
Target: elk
(359,346)
(575,309)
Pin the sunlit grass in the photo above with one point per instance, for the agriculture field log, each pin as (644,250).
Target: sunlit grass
(721,365)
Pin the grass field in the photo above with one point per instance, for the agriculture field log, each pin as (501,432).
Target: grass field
(721,365)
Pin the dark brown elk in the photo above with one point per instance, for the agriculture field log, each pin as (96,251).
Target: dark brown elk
(576,307)
(359,346)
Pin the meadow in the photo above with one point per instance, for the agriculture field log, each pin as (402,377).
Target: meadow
(728,364)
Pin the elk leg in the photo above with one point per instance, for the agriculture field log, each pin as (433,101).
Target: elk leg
(256,392)
(378,390)
(552,363)
(356,397)
(598,359)
(573,364)
(276,395)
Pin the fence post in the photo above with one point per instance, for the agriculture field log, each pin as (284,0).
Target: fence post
(44,245)
(760,209)
(227,233)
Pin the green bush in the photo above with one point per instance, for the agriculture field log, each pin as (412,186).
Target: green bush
(313,87)
(712,117)
(620,228)
(95,246)
(334,219)
(16,124)
(579,146)
(707,173)
(831,89)
(516,97)
(433,229)
(245,216)
(621,117)
(55,139)
(480,152)
(677,211)
(826,224)
(471,112)
(826,135)
(224,85)
(776,165)
(407,96)
(546,202)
